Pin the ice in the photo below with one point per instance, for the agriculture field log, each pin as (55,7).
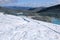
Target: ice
(23,28)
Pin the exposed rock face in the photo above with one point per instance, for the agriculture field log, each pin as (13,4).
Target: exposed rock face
(41,18)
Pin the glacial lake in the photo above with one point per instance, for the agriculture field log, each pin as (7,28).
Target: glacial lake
(56,21)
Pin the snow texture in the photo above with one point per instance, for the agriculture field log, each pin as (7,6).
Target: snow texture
(23,28)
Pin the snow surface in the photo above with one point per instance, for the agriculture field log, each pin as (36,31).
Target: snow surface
(23,28)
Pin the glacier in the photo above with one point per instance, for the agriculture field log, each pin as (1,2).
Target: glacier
(23,28)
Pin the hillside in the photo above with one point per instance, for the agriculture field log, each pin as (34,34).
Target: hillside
(46,14)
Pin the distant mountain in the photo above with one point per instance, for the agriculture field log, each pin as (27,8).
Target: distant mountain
(37,9)
(19,8)
(24,8)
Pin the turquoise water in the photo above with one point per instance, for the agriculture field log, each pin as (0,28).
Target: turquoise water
(56,21)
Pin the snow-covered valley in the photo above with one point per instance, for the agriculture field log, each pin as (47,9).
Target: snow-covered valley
(23,28)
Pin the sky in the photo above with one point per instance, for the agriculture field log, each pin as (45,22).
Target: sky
(29,3)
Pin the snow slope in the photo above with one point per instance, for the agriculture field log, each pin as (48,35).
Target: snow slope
(22,28)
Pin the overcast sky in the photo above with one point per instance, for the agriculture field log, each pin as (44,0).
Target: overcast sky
(29,3)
